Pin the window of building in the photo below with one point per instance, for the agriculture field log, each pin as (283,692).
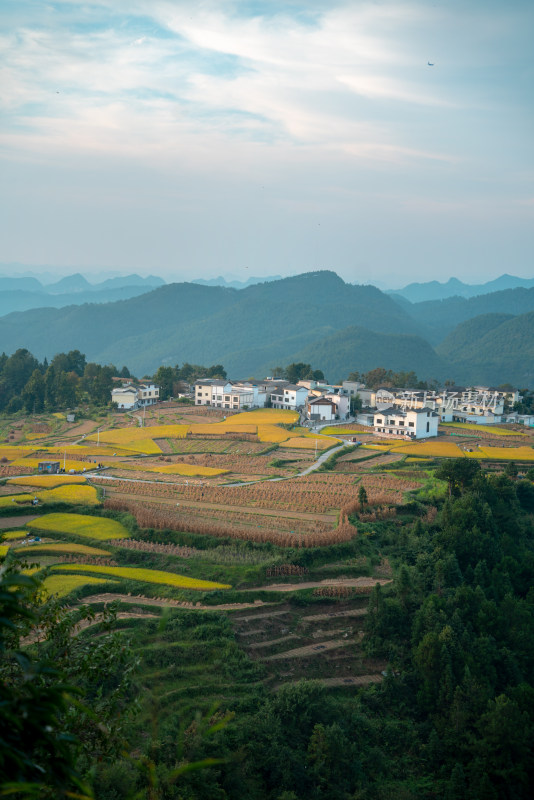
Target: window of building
(411,424)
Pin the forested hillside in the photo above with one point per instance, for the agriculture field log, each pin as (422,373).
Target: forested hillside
(315,317)
(368,349)
(479,350)
(439,317)
(188,322)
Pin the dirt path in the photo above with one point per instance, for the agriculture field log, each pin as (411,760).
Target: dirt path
(264,512)
(351,612)
(271,642)
(268,615)
(89,623)
(16,522)
(292,587)
(310,649)
(39,635)
(358,680)
(164,602)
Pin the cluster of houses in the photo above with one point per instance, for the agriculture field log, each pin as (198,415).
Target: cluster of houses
(392,413)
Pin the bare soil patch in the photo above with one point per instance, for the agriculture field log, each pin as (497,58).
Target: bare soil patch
(310,650)
(367,583)
(16,522)
(162,602)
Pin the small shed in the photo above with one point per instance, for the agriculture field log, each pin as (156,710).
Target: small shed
(48,467)
(71,417)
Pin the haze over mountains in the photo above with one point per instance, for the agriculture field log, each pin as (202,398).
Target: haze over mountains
(315,317)
(22,294)
(434,290)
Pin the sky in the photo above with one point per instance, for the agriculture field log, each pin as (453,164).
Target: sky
(388,141)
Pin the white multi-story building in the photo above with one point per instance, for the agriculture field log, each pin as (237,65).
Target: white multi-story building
(328,406)
(420,423)
(130,397)
(289,396)
(223,394)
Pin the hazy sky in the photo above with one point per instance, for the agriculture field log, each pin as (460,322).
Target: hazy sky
(192,139)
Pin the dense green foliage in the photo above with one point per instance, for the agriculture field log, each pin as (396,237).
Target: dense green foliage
(357,347)
(453,718)
(26,384)
(64,700)
(493,345)
(439,317)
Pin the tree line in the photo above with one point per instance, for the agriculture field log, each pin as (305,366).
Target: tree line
(69,380)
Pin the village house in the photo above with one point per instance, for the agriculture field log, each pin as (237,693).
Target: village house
(223,394)
(328,406)
(289,396)
(419,423)
(130,396)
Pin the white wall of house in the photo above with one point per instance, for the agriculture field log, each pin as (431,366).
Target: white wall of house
(126,398)
(416,424)
(291,397)
(342,403)
(321,409)
(147,394)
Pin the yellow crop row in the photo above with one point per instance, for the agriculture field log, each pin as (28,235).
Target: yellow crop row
(75,494)
(483,428)
(145,446)
(147,576)
(221,428)
(66,547)
(272,433)
(62,585)
(437,449)
(189,469)
(504,453)
(13,535)
(266,416)
(126,436)
(12,451)
(47,481)
(3,550)
(16,499)
(81,525)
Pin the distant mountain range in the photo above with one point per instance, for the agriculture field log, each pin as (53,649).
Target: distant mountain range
(235,284)
(315,317)
(23,294)
(433,290)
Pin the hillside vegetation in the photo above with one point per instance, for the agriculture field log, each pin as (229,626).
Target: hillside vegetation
(315,318)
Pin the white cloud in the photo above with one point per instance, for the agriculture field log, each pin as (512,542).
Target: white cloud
(295,79)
